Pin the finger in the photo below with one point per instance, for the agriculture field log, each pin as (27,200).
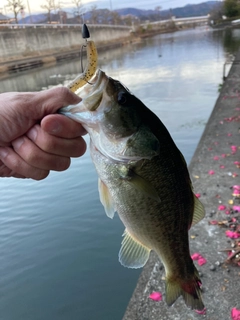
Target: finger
(6,172)
(49,101)
(62,126)
(37,158)
(75,147)
(18,167)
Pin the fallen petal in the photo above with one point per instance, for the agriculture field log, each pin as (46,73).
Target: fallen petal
(236,208)
(221,207)
(235,314)
(203,311)
(196,256)
(232,234)
(214,222)
(201,261)
(236,192)
(198,195)
(211,172)
(216,158)
(236,186)
(221,166)
(156,296)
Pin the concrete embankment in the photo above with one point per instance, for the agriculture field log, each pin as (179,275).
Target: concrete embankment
(214,169)
(26,48)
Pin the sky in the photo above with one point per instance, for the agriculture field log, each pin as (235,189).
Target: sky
(35,5)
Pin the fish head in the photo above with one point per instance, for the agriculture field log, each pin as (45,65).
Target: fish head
(110,114)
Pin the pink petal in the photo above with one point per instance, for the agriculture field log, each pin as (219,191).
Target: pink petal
(227,211)
(213,222)
(236,186)
(211,172)
(229,134)
(198,195)
(216,158)
(236,208)
(156,296)
(236,192)
(202,261)
(221,166)
(223,155)
(196,256)
(203,311)
(235,314)
(232,234)
(221,207)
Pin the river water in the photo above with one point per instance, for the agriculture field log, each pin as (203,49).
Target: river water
(58,250)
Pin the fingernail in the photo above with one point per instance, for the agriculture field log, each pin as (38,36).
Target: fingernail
(54,127)
(32,134)
(17,143)
(3,153)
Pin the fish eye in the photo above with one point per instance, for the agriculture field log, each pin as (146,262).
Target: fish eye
(122,98)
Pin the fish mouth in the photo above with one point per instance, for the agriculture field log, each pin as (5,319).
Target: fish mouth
(87,111)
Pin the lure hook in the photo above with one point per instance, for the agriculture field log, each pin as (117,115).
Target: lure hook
(85,35)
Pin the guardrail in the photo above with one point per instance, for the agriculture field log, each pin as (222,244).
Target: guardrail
(59,25)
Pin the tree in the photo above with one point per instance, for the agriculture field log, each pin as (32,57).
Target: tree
(78,12)
(158,9)
(15,6)
(115,17)
(94,14)
(232,8)
(49,6)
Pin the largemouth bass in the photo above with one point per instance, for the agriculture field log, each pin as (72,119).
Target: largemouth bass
(144,178)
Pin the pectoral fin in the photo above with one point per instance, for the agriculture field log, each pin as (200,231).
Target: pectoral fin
(132,253)
(106,199)
(143,186)
(199,211)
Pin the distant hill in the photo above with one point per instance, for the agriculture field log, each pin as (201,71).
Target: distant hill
(190,10)
(35,18)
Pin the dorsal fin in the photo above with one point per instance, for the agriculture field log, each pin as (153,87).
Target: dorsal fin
(199,211)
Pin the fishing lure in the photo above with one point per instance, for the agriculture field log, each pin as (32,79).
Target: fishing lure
(91,66)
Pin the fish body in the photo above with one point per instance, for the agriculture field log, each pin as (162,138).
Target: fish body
(144,178)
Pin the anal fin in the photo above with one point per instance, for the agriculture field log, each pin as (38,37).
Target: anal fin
(132,253)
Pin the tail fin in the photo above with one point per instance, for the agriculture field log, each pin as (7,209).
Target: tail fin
(189,288)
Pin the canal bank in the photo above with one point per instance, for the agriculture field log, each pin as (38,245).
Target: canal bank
(214,170)
(22,50)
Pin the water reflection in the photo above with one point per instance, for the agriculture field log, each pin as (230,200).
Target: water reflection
(58,250)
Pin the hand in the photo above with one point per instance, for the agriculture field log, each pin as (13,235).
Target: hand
(35,140)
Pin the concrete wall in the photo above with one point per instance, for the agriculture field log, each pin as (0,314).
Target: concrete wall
(31,41)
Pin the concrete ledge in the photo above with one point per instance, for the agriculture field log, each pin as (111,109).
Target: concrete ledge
(221,280)
(35,61)
(49,60)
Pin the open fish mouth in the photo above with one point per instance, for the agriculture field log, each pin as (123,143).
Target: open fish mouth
(87,111)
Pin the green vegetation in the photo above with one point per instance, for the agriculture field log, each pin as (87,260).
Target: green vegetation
(232,8)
